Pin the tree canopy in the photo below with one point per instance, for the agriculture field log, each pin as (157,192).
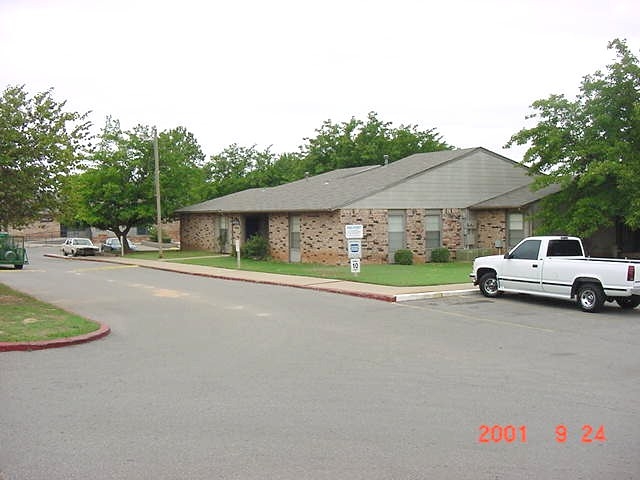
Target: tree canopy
(40,143)
(365,142)
(117,192)
(591,147)
(336,145)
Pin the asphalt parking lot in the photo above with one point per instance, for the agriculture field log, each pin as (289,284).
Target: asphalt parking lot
(204,378)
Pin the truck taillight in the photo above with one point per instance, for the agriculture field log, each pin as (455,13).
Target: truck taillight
(631,273)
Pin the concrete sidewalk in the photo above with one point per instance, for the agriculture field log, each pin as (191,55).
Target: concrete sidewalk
(367,290)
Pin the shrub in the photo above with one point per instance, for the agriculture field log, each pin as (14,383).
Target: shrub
(153,236)
(440,255)
(403,257)
(257,248)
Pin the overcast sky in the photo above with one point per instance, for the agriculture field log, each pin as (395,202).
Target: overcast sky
(270,72)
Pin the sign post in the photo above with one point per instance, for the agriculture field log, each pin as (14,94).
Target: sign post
(354,234)
(355,266)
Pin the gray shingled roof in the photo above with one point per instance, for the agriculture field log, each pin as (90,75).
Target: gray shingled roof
(328,191)
(518,197)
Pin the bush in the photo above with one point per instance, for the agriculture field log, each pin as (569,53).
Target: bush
(153,236)
(257,248)
(403,257)
(440,255)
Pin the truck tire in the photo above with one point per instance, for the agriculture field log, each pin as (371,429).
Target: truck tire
(628,302)
(18,266)
(590,297)
(489,285)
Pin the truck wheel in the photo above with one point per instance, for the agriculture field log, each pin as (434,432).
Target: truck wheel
(590,297)
(628,302)
(18,266)
(489,285)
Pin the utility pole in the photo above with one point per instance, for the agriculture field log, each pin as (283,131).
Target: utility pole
(156,159)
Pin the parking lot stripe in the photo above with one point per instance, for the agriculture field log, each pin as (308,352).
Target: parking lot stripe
(479,319)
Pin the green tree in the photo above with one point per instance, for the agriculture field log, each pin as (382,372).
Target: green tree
(118,192)
(40,143)
(591,147)
(239,168)
(342,145)
(357,142)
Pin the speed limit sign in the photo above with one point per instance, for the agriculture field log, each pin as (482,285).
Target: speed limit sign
(355,265)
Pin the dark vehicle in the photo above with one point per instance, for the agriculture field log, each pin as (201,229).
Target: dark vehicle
(12,251)
(113,245)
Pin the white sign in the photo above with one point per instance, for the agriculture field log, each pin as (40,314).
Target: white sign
(355,265)
(354,248)
(353,231)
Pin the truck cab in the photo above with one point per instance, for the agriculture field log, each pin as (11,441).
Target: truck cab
(556,266)
(12,251)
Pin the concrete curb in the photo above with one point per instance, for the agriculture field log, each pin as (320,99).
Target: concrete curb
(406,297)
(390,297)
(102,331)
(161,267)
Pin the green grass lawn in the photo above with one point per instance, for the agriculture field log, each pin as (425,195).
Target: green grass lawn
(395,275)
(25,319)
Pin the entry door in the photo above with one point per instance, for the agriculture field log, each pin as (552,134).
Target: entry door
(294,238)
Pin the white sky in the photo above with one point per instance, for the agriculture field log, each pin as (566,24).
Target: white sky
(270,72)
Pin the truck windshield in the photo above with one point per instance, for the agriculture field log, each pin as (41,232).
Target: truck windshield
(564,248)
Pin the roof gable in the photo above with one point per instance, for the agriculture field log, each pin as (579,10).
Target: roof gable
(335,189)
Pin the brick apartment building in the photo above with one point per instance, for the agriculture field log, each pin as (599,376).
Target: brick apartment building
(458,199)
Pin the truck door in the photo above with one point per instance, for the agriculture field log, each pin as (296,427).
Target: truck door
(522,270)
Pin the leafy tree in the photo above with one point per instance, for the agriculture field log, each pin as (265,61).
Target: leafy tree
(238,168)
(347,144)
(40,143)
(118,191)
(591,147)
(228,171)
(357,142)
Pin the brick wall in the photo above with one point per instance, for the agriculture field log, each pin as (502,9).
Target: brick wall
(452,229)
(197,231)
(375,244)
(322,233)
(492,226)
(38,230)
(322,238)
(415,232)
(279,237)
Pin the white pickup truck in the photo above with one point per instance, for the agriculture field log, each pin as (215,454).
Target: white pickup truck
(557,267)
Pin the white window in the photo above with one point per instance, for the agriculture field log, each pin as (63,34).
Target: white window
(433,234)
(396,227)
(515,225)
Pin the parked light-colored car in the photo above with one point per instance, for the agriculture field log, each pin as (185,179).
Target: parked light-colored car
(78,246)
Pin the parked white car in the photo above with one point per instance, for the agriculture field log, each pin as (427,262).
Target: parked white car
(556,266)
(78,246)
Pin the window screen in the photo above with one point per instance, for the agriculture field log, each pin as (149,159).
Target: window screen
(433,231)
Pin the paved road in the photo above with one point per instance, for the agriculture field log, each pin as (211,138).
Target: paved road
(207,379)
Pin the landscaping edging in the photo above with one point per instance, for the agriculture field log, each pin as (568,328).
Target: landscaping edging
(103,331)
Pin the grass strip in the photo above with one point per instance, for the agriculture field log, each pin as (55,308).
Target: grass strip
(425,274)
(25,319)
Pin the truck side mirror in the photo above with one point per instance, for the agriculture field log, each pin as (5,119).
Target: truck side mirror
(506,256)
